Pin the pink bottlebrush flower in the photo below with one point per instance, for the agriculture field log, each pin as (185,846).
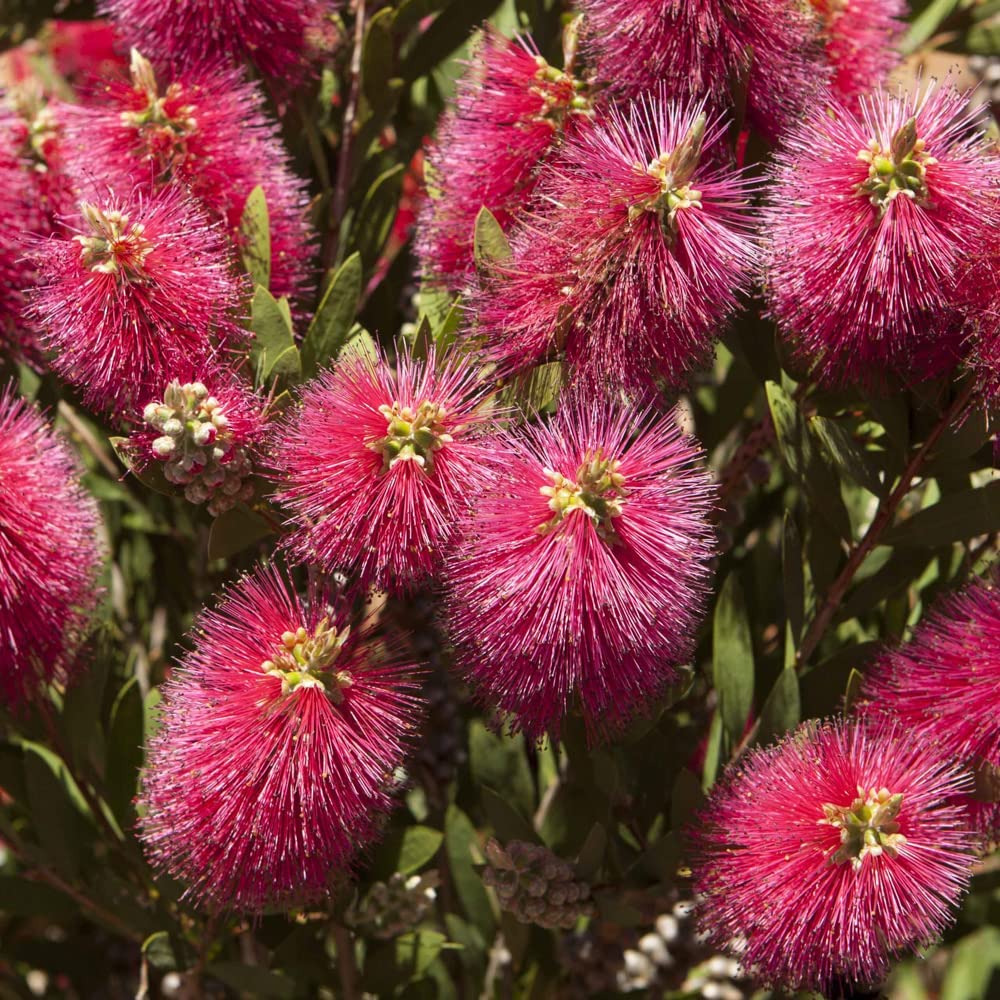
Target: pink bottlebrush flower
(511,111)
(943,683)
(208,130)
(273,35)
(203,430)
(825,856)
(873,215)
(143,284)
(377,465)
(639,251)
(694,48)
(581,572)
(83,50)
(50,554)
(280,737)
(860,40)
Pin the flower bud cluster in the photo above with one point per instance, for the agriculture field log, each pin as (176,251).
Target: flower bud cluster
(536,886)
(397,905)
(197,448)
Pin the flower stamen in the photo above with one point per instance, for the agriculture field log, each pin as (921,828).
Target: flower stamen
(598,492)
(414,434)
(867,826)
(899,170)
(306,661)
(114,246)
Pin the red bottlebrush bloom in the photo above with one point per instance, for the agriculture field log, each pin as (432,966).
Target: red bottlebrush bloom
(582,570)
(273,35)
(145,283)
(204,432)
(860,40)
(280,737)
(943,684)
(511,110)
(695,48)
(50,553)
(639,251)
(874,213)
(378,465)
(831,853)
(207,130)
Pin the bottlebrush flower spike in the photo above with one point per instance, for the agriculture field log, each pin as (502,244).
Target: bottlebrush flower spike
(50,554)
(511,110)
(273,35)
(581,572)
(638,252)
(204,432)
(831,853)
(943,683)
(207,129)
(280,735)
(873,216)
(861,42)
(377,465)
(144,284)
(694,48)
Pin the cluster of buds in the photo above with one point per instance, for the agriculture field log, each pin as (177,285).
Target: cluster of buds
(305,660)
(867,826)
(536,886)
(901,169)
(197,448)
(397,905)
(597,491)
(414,434)
(115,245)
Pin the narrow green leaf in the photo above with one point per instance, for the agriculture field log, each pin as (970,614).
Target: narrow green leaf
(732,659)
(377,213)
(272,333)
(151,476)
(782,709)
(405,850)
(234,531)
(686,797)
(853,690)
(446,333)
(377,57)
(847,455)
(591,857)
(490,243)
(501,762)
(793,577)
(507,822)
(125,751)
(973,967)
(448,31)
(787,426)
(459,838)
(953,518)
(713,752)
(331,326)
(255,238)
(927,23)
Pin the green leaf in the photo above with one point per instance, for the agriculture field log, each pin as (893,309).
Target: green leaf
(448,31)
(252,980)
(57,808)
(255,238)
(793,577)
(21,897)
(377,57)
(538,391)
(151,475)
(901,569)
(405,850)
(490,243)
(331,326)
(732,659)
(847,455)
(953,518)
(125,751)
(501,762)
(853,690)
(782,709)
(159,952)
(686,797)
(274,352)
(402,961)
(591,857)
(459,838)
(446,334)
(713,752)
(787,426)
(972,972)
(927,23)
(377,213)
(234,531)
(507,822)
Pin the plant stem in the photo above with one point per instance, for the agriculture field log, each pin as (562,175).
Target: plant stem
(332,237)
(883,518)
(346,966)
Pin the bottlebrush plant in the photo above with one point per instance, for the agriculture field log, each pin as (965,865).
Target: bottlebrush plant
(498,499)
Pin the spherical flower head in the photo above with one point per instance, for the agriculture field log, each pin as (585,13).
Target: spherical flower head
(943,683)
(131,288)
(874,213)
(640,249)
(204,433)
(205,128)
(768,49)
(272,35)
(511,110)
(378,464)
(831,853)
(281,732)
(581,571)
(861,42)
(50,554)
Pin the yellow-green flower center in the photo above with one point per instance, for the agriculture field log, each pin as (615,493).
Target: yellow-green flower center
(114,245)
(598,492)
(561,93)
(899,170)
(413,434)
(153,121)
(309,661)
(867,826)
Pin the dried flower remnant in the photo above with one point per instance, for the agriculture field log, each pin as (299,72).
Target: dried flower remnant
(832,853)
(281,733)
(50,554)
(581,570)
